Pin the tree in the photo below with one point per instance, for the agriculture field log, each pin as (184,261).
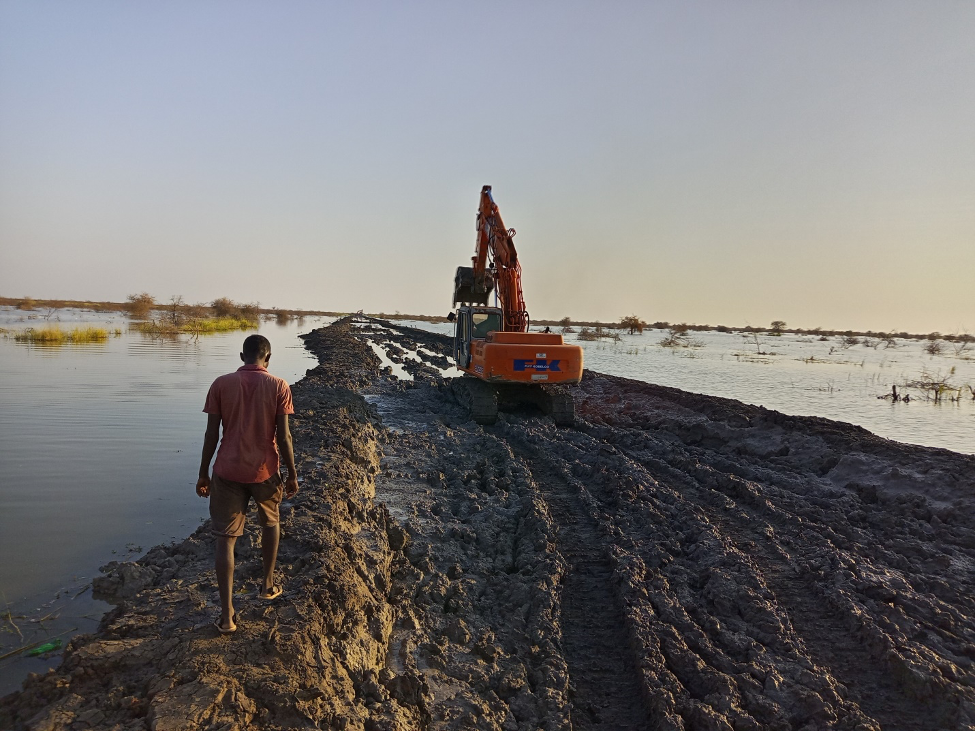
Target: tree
(632,323)
(140,305)
(565,325)
(777,327)
(176,305)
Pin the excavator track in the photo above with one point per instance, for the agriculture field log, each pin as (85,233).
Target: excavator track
(559,405)
(484,400)
(478,397)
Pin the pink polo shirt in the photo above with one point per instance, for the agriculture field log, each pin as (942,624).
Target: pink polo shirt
(248,402)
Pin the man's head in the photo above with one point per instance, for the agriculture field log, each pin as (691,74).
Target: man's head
(256,351)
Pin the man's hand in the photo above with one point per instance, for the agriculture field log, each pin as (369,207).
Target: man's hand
(291,485)
(203,486)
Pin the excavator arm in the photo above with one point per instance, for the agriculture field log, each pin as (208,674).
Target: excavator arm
(494,266)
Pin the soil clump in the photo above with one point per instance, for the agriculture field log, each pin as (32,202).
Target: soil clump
(674,561)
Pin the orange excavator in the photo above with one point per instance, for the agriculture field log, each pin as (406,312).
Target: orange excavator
(504,364)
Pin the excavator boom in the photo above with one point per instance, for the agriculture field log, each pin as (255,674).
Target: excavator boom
(495,267)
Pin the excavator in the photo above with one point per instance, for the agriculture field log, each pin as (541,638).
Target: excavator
(503,364)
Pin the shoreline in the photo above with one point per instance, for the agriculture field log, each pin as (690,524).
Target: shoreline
(105,306)
(424,559)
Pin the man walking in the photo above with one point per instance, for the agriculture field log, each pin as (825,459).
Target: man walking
(253,407)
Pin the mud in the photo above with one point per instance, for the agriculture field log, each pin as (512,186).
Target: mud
(673,561)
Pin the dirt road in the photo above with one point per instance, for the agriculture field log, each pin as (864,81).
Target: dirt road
(673,561)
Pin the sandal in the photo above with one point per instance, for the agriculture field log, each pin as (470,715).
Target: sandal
(273,593)
(226,630)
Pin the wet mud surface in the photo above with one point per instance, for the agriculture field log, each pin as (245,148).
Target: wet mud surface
(673,561)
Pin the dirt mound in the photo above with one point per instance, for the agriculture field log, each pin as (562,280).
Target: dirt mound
(673,562)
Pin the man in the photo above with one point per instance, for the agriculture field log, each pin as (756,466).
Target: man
(253,407)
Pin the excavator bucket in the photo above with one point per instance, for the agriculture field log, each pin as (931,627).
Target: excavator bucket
(466,291)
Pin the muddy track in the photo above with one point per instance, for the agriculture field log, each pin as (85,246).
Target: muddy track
(605,691)
(673,562)
(829,641)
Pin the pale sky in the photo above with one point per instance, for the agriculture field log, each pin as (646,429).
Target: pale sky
(707,162)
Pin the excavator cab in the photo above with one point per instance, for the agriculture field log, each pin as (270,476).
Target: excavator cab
(473,323)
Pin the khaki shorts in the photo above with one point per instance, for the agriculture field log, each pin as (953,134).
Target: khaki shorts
(229,504)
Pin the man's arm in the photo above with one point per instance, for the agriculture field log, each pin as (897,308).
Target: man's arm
(211,437)
(283,437)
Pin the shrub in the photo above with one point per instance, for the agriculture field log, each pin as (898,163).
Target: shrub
(224,307)
(140,305)
(633,324)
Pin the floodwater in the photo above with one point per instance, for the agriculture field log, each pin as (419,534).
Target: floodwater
(100,445)
(803,376)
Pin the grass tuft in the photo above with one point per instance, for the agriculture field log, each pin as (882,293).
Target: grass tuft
(54,335)
(202,326)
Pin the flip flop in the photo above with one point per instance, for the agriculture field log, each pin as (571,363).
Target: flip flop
(226,630)
(273,593)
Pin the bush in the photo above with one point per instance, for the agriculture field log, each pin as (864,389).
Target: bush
(224,307)
(140,305)
(633,324)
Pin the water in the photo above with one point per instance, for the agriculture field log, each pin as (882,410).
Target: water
(100,443)
(100,446)
(800,375)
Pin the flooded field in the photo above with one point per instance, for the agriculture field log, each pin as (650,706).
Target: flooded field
(100,441)
(100,444)
(803,376)
(672,560)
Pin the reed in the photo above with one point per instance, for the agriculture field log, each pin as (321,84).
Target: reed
(54,335)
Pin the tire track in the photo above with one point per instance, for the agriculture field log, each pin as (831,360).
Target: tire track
(605,689)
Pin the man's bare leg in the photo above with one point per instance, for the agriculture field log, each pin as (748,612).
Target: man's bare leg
(269,554)
(224,565)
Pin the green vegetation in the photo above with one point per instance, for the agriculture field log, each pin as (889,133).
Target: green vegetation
(179,318)
(54,335)
(164,327)
(938,387)
(139,306)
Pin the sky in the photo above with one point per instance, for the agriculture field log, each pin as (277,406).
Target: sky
(700,162)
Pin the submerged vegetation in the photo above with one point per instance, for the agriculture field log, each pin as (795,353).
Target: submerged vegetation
(678,337)
(939,386)
(179,318)
(54,335)
(164,327)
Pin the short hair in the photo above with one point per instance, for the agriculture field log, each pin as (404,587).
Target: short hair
(256,347)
